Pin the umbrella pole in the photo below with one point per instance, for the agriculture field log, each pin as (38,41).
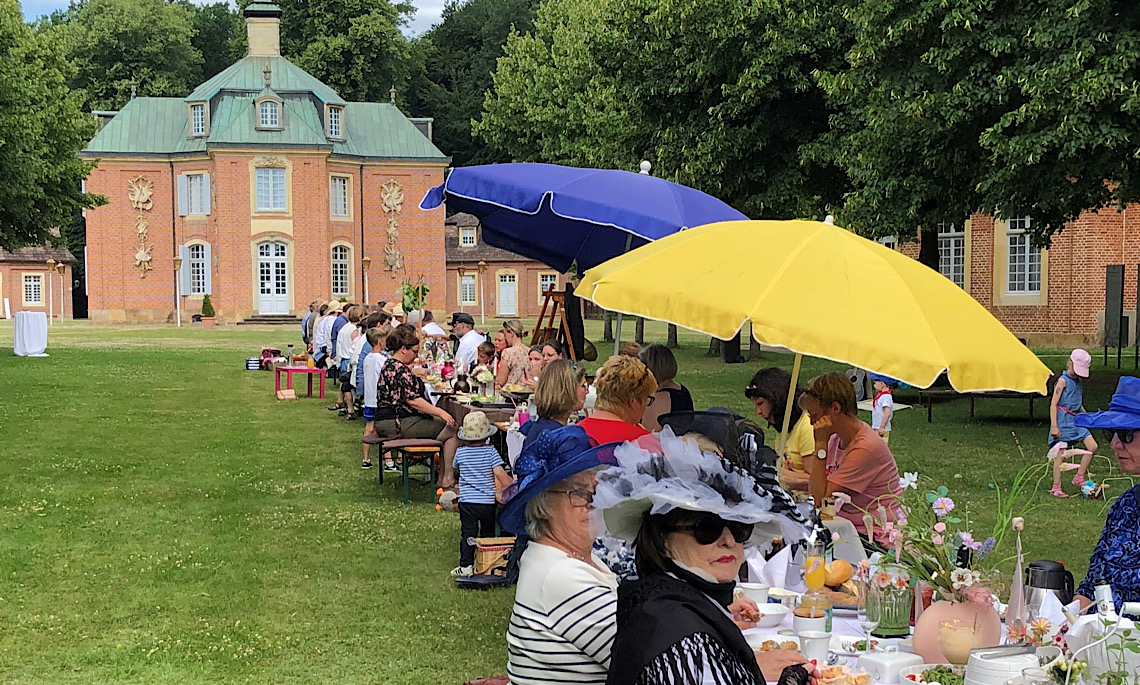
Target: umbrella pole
(783,440)
(617,329)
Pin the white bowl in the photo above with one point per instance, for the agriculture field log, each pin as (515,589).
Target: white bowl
(772,615)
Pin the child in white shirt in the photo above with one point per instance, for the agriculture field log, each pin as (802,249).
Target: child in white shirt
(373,362)
(882,407)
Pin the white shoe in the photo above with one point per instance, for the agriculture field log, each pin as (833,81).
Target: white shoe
(463,571)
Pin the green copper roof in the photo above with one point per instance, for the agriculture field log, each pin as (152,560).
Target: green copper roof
(255,7)
(246,75)
(147,126)
(379,129)
(236,121)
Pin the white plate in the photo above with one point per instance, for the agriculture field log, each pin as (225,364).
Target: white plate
(844,644)
(755,639)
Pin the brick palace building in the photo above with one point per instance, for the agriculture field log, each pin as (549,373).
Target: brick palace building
(271,189)
(1052,297)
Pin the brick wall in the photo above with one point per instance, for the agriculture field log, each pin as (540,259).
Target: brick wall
(118,293)
(12,289)
(529,304)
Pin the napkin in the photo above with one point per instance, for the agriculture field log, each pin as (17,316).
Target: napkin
(782,571)
(1052,609)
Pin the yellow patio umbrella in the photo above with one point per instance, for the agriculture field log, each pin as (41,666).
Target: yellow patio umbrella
(819,290)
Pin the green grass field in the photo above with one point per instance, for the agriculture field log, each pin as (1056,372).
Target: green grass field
(165,519)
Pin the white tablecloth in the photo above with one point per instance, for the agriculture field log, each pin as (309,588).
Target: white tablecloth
(30,334)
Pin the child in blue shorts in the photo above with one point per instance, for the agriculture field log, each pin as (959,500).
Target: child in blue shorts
(1068,401)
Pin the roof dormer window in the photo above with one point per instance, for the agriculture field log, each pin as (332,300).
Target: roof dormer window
(336,122)
(269,114)
(198,124)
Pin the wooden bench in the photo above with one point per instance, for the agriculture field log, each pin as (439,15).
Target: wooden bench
(412,452)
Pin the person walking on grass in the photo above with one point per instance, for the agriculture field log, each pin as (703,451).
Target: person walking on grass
(882,407)
(1068,401)
(481,476)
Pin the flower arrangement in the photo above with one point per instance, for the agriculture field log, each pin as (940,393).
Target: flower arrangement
(931,538)
(482,374)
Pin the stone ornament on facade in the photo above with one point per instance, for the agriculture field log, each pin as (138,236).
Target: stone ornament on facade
(140,193)
(392,195)
(271,162)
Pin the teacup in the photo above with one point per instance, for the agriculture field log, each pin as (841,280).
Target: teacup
(757,592)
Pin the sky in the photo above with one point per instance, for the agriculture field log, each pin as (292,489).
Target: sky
(427,12)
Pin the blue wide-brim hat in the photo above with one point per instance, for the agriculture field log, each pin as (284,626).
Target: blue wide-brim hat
(552,458)
(1123,411)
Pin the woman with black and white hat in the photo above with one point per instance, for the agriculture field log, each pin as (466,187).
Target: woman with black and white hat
(690,508)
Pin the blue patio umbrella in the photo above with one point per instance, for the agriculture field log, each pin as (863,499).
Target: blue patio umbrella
(560,215)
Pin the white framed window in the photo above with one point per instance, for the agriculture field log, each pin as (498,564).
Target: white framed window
(34,290)
(336,115)
(467,289)
(270,114)
(340,265)
(1023,259)
(197,269)
(890,242)
(338,195)
(466,236)
(546,281)
(952,252)
(271,195)
(195,194)
(198,120)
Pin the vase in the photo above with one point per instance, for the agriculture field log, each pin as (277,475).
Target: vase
(927,627)
(895,606)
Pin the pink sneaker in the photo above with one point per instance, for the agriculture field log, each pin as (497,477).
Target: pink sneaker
(1079,479)
(1058,492)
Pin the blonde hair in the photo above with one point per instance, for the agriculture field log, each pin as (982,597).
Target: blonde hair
(356,313)
(828,389)
(622,380)
(630,349)
(556,393)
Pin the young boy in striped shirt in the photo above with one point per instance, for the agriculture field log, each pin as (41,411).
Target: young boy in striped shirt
(480,466)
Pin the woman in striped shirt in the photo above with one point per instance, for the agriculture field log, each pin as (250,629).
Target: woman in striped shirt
(563,623)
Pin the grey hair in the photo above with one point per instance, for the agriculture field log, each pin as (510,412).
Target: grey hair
(540,509)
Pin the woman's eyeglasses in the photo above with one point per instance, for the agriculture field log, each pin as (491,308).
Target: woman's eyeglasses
(578,498)
(708,527)
(1124,436)
(650,400)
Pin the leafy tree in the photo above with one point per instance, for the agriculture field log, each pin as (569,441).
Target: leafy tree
(42,130)
(947,108)
(219,36)
(452,67)
(719,94)
(115,44)
(355,46)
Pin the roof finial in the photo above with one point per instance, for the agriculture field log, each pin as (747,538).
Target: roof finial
(392,95)
(134,87)
(267,74)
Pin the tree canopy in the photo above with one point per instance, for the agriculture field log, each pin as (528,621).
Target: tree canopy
(1020,107)
(42,130)
(452,67)
(718,94)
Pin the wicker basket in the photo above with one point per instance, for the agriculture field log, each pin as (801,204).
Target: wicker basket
(491,554)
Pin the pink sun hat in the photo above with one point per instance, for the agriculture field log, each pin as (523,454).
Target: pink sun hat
(1081,362)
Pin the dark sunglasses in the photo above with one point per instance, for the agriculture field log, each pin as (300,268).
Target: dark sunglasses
(708,527)
(1124,436)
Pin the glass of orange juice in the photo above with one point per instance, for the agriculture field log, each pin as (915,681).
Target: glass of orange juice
(815,572)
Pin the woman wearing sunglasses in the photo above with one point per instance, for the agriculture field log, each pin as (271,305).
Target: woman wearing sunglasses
(1116,557)
(690,513)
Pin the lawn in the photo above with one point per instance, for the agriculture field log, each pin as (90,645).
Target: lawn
(166,519)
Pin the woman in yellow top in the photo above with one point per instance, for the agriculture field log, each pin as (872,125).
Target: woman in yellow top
(768,391)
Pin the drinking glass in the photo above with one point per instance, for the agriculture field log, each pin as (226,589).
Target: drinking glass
(956,638)
(1037,676)
(815,573)
(871,610)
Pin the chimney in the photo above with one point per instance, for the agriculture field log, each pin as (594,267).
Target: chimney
(263,29)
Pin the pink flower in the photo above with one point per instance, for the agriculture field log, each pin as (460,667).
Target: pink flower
(943,506)
(937,540)
(902,522)
(940,527)
(1016,632)
(978,595)
(901,583)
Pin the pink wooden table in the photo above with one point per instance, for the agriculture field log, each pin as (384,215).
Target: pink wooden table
(290,370)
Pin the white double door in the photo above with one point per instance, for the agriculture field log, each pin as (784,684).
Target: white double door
(508,295)
(272,278)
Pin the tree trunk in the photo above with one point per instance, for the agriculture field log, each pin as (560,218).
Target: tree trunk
(671,341)
(928,248)
(639,331)
(608,326)
(754,348)
(730,351)
(715,346)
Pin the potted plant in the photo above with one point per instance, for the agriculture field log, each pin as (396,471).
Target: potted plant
(207,312)
(414,297)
